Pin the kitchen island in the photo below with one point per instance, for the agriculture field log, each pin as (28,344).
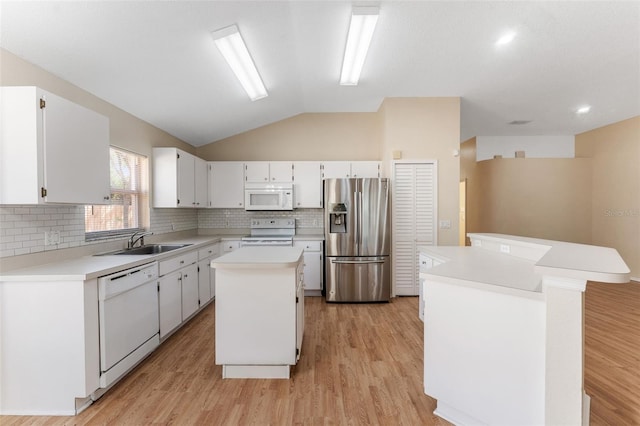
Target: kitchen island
(259,311)
(503,332)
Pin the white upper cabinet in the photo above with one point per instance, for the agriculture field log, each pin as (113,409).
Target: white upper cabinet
(226,184)
(336,169)
(351,169)
(281,171)
(53,150)
(179,179)
(173,178)
(307,184)
(268,171)
(365,169)
(201,182)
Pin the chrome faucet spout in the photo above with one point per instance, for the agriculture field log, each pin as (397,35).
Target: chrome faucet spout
(137,236)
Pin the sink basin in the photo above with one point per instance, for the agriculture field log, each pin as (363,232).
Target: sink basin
(147,249)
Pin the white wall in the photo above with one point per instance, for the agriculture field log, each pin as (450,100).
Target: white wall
(533,146)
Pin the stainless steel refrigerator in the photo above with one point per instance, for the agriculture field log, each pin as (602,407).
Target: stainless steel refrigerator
(357,240)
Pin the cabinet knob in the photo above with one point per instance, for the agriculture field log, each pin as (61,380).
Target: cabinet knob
(106,197)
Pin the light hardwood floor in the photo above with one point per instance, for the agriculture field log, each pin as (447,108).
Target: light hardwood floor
(612,353)
(360,364)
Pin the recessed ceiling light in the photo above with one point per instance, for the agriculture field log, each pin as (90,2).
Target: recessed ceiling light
(506,38)
(583,109)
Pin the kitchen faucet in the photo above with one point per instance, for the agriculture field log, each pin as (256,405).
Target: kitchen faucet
(137,236)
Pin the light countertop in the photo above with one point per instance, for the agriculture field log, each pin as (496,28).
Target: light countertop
(259,257)
(481,266)
(525,262)
(89,267)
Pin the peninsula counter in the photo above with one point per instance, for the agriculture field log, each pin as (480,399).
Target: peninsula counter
(503,328)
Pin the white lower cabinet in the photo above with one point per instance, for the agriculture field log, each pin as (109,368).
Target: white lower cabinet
(206,275)
(50,351)
(259,323)
(312,260)
(178,290)
(230,245)
(190,290)
(425,263)
(170,302)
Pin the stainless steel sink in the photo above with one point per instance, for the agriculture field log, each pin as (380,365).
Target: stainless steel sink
(146,249)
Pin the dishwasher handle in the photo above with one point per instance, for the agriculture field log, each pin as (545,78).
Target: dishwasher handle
(112,285)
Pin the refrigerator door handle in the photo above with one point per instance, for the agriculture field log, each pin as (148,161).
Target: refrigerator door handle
(360,233)
(356,262)
(356,202)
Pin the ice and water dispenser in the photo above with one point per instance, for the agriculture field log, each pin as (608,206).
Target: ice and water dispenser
(338,218)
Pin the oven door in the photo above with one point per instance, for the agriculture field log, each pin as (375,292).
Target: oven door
(266,242)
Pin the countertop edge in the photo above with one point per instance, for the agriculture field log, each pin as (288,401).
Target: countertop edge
(93,266)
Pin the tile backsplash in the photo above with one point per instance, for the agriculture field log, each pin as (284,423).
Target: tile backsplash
(23,228)
(241,219)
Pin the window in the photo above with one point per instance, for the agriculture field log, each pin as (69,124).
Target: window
(127,211)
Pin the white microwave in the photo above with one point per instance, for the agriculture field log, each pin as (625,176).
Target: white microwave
(267,196)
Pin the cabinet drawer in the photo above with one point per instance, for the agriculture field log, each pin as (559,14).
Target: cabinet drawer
(308,245)
(177,262)
(212,250)
(230,245)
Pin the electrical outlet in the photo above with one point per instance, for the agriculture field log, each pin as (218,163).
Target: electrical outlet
(445,224)
(51,238)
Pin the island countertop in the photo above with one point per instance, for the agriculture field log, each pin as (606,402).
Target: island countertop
(259,257)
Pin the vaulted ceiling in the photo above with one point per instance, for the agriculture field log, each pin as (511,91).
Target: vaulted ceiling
(157,60)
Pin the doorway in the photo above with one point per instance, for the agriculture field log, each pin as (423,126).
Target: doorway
(462,225)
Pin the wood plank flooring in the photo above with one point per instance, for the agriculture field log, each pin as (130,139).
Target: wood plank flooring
(360,364)
(612,353)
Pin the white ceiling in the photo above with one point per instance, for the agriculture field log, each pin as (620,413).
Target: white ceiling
(157,61)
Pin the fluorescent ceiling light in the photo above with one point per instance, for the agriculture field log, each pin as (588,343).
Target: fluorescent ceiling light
(506,38)
(363,23)
(583,109)
(230,43)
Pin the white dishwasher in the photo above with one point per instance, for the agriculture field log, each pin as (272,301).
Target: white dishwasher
(129,322)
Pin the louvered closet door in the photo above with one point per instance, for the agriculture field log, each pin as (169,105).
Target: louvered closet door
(414,208)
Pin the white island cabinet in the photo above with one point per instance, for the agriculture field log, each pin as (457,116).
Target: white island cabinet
(259,311)
(503,328)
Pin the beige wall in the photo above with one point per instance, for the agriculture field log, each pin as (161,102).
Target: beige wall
(543,198)
(615,153)
(427,128)
(126,131)
(546,198)
(317,136)
(422,128)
